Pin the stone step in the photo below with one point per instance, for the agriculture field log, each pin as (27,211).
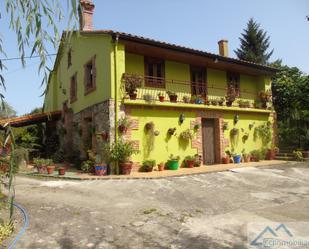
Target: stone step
(285,158)
(283,154)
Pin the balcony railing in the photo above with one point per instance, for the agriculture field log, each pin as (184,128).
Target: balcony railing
(189,92)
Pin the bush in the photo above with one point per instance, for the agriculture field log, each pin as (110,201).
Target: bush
(87,166)
(148,165)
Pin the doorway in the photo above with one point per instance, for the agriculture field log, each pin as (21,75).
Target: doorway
(209,140)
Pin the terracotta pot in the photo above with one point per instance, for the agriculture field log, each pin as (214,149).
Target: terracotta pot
(161,98)
(247,159)
(229,103)
(125,168)
(61,171)
(41,169)
(226,160)
(104,135)
(264,105)
(133,96)
(50,170)
(270,155)
(305,153)
(173,98)
(148,169)
(190,163)
(161,166)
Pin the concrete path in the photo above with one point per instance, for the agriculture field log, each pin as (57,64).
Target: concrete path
(202,211)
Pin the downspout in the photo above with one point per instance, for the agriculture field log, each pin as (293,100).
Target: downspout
(116,39)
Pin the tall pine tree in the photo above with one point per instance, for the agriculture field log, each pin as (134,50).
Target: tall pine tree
(254,44)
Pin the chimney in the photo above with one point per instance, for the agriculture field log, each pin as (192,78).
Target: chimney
(86,11)
(223,48)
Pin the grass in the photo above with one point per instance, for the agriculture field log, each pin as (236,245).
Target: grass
(5,230)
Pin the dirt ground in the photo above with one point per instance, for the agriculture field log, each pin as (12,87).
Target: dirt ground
(201,211)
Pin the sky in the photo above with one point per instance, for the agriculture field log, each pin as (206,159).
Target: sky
(197,24)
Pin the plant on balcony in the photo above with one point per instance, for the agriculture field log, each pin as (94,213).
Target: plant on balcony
(186,135)
(172,95)
(243,103)
(131,83)
(161,97)
(124,124)
(197,99)
(221,101)
(148,98)
(265,97)
(231,95)
(186,99)
(214,102)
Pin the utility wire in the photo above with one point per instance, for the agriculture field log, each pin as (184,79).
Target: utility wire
(26,57)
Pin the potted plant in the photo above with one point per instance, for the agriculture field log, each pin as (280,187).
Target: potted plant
(131,83)
(104,135)
(214,102)
(305,153)
(271,153)
(173,96)
(225,126)
(246,157)
(186,99)
(123,125)
(221,101)
(189,161)
(198,160)
(100,169)
(186,135)
(148,165)
(149,126)
(265,96)
(173,162)
(197,99)
(256,156)
(227,157)
(50,166)
(231,95)
(40,165)
(236,158)
(87,166)
(120,153)
(161,97)
(161,166)
(148,98)
(61,171)
(243,103)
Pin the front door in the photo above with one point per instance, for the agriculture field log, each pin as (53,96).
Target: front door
(208,131)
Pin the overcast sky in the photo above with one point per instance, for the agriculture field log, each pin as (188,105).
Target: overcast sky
(196,23)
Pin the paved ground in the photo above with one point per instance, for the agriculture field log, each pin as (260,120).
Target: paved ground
(202,211)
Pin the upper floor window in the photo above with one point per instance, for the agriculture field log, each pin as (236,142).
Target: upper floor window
(73,88)
(70,58)
(198,81)
(154,72)
(233,79)
(90,75)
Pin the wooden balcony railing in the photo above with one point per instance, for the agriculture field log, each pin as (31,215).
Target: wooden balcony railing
(209,93)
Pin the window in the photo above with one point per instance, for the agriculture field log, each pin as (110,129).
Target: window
(90,76)
(73,88)
(154,73)
(70,58)
(198,81)
(233,80)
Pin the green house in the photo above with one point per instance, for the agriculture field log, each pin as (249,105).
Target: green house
(177,88)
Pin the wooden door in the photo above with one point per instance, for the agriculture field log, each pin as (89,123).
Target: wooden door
(208,131)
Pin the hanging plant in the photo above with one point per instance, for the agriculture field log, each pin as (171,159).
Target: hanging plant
(156,133)
(235,132)
(182,118)
(225,126)
(251,125)
(236,119)
(245,137)
(149,126)
(186,135)
(123,125)
(197,127)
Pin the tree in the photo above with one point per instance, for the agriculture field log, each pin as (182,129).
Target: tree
(254,44)
(7,111)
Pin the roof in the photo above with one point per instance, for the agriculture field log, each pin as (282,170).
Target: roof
(144,40)
(30,119)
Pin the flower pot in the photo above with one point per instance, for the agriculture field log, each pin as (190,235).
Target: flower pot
(161,98)
(173,98)
(4,167)
(305,154)
(270,155)
(199,101)
(161,166)
(173,164)
(125,168)
(148,169)
(41,169)
(104,136)
(133,96)
(61,171)
(50,170)
(264,105)
(190,163)
(100,169)
(229,103)
(246,159)
(122,129)
(226,160)
(220,103)
(237,159)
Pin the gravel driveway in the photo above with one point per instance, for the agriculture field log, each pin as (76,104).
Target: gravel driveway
(202,211)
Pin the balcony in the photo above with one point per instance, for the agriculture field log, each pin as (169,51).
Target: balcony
(170,92)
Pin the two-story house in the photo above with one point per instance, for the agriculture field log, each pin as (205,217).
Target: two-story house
(87,85)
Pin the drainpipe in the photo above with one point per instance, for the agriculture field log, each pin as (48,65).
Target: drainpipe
(116,39)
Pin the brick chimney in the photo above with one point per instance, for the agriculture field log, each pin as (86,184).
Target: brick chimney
(223,48)
(86,11)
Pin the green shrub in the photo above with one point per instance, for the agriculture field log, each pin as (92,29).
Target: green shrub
(87,166)
(148,165)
